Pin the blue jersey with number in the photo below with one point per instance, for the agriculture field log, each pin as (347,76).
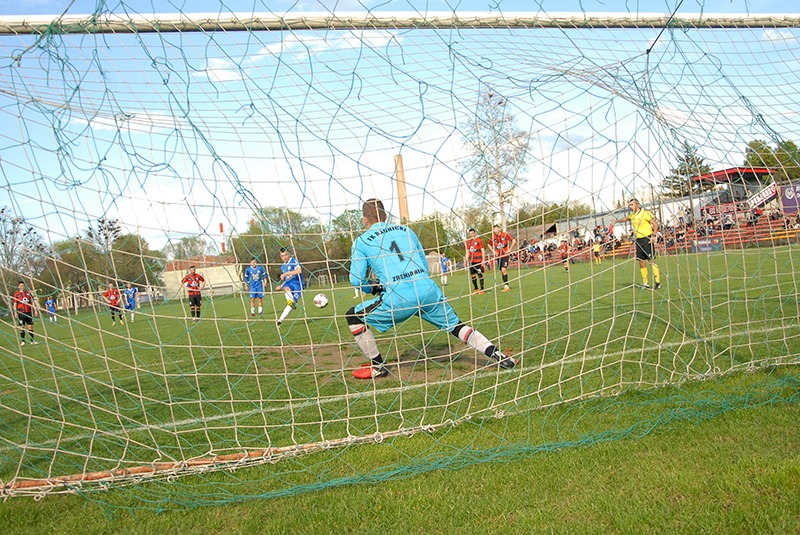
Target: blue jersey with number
(445,261)
(294,282)
(130,297)
(392,252)
(395,256)
(255,277)
(50,305)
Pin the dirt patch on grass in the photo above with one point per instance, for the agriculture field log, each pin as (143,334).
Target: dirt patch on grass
(433,364)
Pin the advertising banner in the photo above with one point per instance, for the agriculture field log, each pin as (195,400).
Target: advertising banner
(706,245)
(790,198)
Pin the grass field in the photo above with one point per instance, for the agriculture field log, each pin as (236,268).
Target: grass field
(738,472)
(593,346)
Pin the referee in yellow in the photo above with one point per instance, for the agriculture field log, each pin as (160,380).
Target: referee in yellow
(644,227)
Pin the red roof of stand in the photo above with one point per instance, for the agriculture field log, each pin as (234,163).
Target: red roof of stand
(734,173)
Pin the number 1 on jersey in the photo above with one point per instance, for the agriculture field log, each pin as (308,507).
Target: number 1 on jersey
(395,249)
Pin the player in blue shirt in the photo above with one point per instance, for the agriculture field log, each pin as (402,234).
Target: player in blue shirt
(131,296)
(292,282)
(50,306)
(404,289)
(445,262)
(255,277)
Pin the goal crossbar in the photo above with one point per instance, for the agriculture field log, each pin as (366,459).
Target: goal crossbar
(209,22)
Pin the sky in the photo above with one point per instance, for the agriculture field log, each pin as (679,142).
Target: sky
(177,134)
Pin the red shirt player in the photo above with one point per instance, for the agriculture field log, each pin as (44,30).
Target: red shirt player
(563,249)
(24,307)
(475,259)
(194,283)
(502,243)
(112,298)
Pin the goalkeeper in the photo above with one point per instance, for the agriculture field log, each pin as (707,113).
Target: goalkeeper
(403,289)
(644,227)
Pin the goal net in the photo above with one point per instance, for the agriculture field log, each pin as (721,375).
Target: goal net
(136,146)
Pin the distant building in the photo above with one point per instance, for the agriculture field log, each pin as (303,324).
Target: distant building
(737,183)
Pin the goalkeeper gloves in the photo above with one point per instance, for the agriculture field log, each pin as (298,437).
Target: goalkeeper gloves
(374,287)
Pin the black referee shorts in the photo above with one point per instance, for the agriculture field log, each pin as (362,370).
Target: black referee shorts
(644,249)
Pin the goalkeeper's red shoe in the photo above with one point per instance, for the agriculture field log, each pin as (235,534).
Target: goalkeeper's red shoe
(370,371)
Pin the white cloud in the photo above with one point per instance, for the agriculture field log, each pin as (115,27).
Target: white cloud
(779,35)
(221,70)
(317,42)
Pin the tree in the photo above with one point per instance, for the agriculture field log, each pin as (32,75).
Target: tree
(339,237)
(431,233)
(102,236)
(498,153)
(186,247)
(72,266)
(550,212)
(272,228)
(784,159)
(104,233)
(23,252)
(758,153)
(680,182)
(283,222)
(133,261)
(22,249)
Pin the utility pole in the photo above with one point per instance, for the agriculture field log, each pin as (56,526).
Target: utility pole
(401,188)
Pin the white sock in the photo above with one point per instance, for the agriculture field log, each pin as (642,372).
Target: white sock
(474,339)
(367,344)
(260,310)
(285,312)
(252,310)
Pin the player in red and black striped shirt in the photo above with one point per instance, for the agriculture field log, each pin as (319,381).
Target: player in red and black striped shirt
(502,243)
(475,259)
(113,298)
(25,308)
(194,283)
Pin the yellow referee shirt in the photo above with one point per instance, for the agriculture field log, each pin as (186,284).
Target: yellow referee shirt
(640,221)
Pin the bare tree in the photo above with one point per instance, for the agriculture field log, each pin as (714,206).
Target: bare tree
(102,237)
(186,247)
(23,253)
(498,153)
(22,250)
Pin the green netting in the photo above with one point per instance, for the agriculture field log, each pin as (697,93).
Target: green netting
(137,145)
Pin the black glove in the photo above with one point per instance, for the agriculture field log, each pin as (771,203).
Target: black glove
(375,287)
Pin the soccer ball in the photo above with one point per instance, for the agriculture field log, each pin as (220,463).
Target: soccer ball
(320,300)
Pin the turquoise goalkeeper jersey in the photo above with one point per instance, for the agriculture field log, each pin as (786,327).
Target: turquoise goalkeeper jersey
(392,252)
(395,257)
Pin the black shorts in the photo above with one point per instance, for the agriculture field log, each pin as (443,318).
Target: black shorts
(644,249)
(501,262)
(195,300)
(114,310)
(476,268)
(24,318)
